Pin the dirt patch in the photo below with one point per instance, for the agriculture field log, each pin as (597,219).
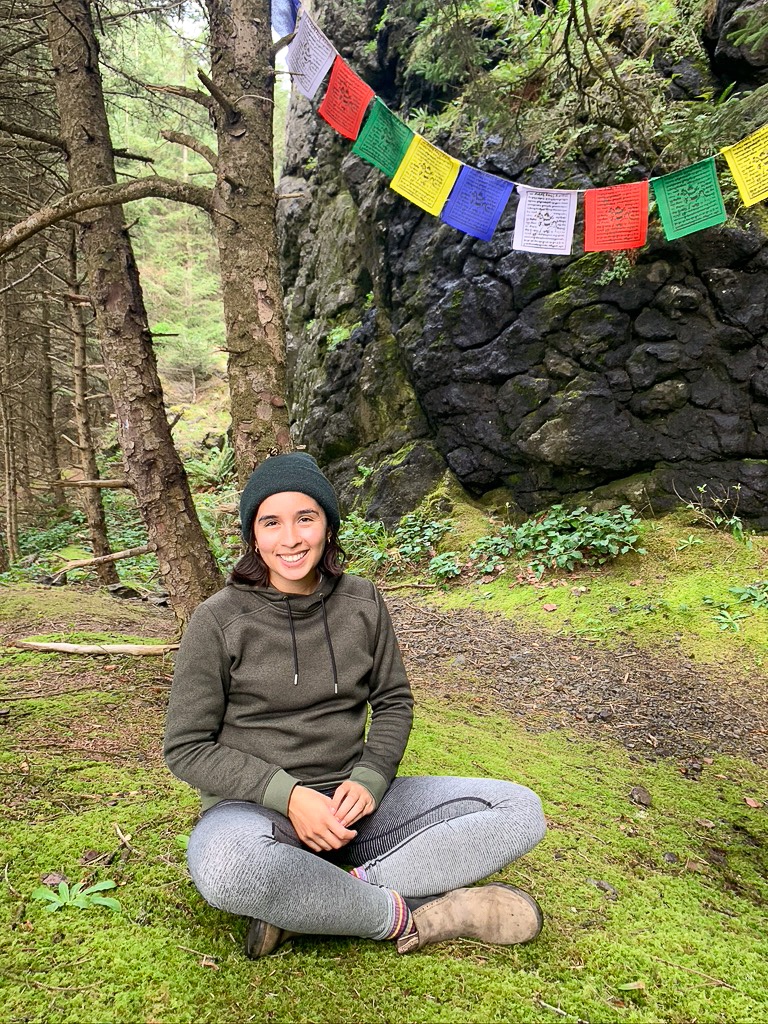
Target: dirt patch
(661,703)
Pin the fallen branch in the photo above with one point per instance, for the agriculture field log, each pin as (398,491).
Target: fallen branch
(116,556)
(94,483)
(149,650)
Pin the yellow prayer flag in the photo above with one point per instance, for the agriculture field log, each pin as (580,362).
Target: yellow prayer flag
(748,161)
(426,175)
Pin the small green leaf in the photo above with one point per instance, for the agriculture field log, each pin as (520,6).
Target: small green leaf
(107,901)
(83,902)
(43,893)
(106,883)
(64,892)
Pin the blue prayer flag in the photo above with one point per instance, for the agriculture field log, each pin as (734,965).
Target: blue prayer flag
(477,202)
(284,16)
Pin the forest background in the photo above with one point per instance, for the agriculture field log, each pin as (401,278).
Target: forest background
(650,756)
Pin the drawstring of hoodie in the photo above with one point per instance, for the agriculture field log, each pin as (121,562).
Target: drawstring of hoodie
(330,646)
(293,644)
(328,641)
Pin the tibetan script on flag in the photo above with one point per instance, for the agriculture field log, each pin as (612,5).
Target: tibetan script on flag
(748,161)
(616,217)
(477,202)
(346,100)
(383,140)
(309,57)
(426,175)
(544,220)
(689,199)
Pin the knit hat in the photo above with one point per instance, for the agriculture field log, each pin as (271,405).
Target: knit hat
(296,471)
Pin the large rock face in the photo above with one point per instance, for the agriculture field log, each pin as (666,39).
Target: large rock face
(415,347)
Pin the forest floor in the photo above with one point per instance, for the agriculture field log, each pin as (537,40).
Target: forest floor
(651,767)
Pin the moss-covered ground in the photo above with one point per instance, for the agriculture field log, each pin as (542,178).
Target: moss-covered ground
(654,913)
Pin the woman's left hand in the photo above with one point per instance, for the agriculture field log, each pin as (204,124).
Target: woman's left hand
(350,802)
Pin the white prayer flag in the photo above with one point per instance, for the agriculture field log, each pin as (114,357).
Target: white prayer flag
(544,220)
(309,56)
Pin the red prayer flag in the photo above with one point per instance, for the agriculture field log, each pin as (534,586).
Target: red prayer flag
(345,100)
(616,217)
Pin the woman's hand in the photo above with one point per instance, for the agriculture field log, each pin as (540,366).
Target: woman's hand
(352,801)
(317,826)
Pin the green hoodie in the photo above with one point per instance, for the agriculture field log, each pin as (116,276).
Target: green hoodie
(271,691)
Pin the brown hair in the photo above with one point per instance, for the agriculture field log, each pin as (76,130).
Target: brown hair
(252,569)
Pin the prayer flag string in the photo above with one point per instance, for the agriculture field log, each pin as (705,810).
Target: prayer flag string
(473,201)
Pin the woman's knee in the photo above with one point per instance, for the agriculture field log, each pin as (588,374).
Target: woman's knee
(227,863)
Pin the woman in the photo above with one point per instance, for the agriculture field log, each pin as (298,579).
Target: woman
(267,719)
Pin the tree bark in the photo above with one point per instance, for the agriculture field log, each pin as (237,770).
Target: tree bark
(187,567)
(243,210)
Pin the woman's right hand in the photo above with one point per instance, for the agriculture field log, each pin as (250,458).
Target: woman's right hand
(310,814)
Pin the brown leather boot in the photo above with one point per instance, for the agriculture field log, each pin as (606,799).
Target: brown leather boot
(496,913)
(262,939)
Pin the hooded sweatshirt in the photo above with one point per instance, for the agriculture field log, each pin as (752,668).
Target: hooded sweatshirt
(271,690)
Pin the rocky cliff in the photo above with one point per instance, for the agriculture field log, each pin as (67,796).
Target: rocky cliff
(416,350)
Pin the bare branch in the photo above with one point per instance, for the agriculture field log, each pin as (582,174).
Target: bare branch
(186,94)
(277,46)
(30,133)
(125,154)
(104,195)
(180,139)
(224,102)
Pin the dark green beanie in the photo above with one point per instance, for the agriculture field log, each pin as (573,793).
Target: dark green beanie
(294,472)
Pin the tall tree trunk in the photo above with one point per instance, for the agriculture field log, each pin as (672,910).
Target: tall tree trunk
(47,448)
(11,528)
(244,218)
(152,464)
(92,502)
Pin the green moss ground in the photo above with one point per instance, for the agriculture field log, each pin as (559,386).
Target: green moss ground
(649,600)
(691,931)
(672,898)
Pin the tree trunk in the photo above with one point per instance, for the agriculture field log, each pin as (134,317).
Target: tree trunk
(244,220)
(92,503)
(187,566)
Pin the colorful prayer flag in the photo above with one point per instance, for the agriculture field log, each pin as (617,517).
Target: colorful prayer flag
(544,220)
(748,161)
(426,175)
(346,100)
(309,57)
(383,140)
(284,14)
(689,199)
(477,202)
(616,217)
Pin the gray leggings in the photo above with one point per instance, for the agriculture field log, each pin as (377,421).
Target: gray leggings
(428,835)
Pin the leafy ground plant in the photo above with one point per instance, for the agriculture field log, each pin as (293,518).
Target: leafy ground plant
(564,539)
(78,895)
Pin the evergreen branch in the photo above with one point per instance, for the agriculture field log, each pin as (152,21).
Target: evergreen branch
(103,195)
(180,139)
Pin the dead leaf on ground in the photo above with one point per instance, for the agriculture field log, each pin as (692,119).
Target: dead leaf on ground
(640,795)
(632,986)
(751,802)
(696,865)
(549,607)
(54,878)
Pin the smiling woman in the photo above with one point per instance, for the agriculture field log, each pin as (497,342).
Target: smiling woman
(267,718)
(290,534)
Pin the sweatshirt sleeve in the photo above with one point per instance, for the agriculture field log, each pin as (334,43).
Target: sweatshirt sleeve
(391,703)
(196,711)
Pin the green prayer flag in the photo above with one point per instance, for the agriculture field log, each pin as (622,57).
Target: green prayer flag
(689,199)
(383,140)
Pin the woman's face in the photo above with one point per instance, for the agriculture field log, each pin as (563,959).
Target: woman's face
(290,532)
